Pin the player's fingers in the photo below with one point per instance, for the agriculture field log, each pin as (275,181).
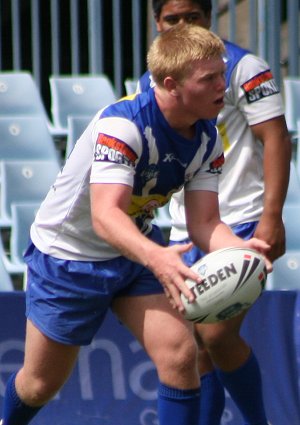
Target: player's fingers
(175,299)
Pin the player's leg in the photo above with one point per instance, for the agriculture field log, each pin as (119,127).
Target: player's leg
(60,320)
(236,366)
(169,341)
(212,398)
(47,366)
(212,395)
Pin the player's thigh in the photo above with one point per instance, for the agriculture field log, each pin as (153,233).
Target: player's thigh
(158,327)
(214,333)
(46,363)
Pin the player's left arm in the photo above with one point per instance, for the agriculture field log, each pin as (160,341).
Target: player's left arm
(276,163)
(206,229)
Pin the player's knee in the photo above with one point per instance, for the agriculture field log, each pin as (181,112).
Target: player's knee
(178,355)
(39,392)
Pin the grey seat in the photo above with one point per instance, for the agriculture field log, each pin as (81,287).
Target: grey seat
(130,86)
(293,193)
(20,96)
(76,126)
(26,138)
(22,217)
(292,104)
(24,181)
(286,272)
(78,95)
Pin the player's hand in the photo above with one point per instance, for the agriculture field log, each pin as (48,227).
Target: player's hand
(273,232)
(167,265)
(263,248)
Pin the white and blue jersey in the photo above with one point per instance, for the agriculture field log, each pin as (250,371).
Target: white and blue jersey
(130,143)
(251,97)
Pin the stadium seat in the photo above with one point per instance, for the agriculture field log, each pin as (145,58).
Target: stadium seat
(291,218)
(19,96)
(78,95)
(293,193)
(6,283)
(22,217)
(286,272)
(297,148)
(292,104)
(13,248)
(24,181)
(76,126)
(26,138)
(130,86)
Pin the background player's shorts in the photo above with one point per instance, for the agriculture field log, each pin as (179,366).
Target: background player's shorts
(244,231)
(68,300)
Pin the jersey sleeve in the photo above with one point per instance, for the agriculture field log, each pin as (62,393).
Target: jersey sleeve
(207,177)
(117,148)
(254,91)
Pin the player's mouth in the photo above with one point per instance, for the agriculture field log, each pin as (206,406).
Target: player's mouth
(219,102)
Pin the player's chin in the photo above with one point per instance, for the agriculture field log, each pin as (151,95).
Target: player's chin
(212,112)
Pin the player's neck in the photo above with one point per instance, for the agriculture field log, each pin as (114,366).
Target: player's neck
(175,116)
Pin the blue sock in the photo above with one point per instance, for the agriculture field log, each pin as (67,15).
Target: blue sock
(15,412)
(178,407)
(212,399)
(245,388)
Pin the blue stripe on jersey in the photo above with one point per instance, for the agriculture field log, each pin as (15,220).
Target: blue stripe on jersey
(165,172)
(234,54)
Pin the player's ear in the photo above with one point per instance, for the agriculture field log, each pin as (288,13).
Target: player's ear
(171,86)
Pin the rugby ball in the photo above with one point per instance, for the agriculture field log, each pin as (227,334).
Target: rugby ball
(232,280)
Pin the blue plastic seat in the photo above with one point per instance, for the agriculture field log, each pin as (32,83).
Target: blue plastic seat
(20,96)
(297,148)
(24,181)
(13,248)
(293,193)
(286,272)
(292,104)
(78,95)
(26,138)
(76,126)
(6,283)
(291,218)
(130,86)
(23,215)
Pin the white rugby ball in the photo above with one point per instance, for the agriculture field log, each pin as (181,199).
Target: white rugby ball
(232,280)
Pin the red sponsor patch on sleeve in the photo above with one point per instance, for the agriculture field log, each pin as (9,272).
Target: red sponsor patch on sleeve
(260,86)
(215,166)
(258,80)
(111,149)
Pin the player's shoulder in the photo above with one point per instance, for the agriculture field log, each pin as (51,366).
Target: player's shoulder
(145,82)
(239,56)
(128,107)
(234,49)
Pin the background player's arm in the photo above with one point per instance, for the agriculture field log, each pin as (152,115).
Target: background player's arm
(205,227)
(277,155)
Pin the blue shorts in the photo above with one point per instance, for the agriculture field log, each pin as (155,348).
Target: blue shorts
(244,231)
(68,300)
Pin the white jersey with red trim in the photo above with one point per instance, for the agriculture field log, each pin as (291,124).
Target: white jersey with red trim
(252,97)
(129,143)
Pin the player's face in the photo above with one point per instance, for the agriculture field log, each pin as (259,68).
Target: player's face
(178,11)
(202,93)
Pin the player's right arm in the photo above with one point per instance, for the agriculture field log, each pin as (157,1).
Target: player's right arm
(109,206)
(207,230)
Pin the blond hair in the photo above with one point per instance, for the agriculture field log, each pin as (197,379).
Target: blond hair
(173,52)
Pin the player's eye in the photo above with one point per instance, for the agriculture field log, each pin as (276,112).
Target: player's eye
(172,19)
(192,17)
